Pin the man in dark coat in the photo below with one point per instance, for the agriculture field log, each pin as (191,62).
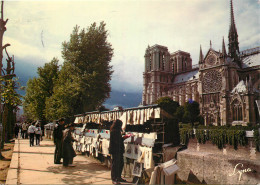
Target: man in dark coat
(117,149)
(16,130)
(58,135)
(68,151)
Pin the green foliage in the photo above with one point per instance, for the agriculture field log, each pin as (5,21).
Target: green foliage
(102,108)
(10,100)
(39,89)
(218,135)
(167,104)
(179,113)
(221,137)
(192,111)
(83,82)
(8,92)
(202,136)
(185,134)
(186,117)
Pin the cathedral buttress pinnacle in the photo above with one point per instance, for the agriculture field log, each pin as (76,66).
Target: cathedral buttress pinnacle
(201,56)
(224,53)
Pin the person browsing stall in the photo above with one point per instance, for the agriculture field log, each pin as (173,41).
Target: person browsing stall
(58,135)
(68,151)
(117,149)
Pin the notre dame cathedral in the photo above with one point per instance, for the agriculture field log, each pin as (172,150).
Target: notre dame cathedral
(226,85)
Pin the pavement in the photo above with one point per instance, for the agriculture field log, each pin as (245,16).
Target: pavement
(34,165)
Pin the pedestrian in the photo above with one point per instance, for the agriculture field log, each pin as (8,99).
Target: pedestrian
(16,130)
(117,149)
(38,133)
(58,135)
(31,133)
(26,133)
(68,151)
(24,130)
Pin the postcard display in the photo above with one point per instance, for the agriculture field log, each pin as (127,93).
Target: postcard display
(138,147)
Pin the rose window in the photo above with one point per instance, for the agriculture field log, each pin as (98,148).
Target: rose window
(212,81)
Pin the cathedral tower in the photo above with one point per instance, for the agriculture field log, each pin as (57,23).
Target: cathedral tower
(233,46)
(157,74)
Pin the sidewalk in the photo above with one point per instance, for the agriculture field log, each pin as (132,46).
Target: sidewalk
(34,165)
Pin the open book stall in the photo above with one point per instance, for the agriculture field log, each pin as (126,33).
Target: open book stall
(143,150)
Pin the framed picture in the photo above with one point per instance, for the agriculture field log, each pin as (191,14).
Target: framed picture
(137,169)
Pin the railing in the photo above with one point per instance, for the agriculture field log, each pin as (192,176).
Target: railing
(250,51)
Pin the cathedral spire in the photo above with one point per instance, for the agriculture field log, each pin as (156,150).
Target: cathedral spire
(201,56)
(224,53)
(233,48)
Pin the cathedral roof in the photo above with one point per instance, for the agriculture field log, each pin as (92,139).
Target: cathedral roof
(251,60)
(240,87)
(184,77)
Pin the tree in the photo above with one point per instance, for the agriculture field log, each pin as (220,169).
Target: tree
(179,113)
(39,89)
(102,108)
(83,82)
(10,99)
(168,104)
(192,112)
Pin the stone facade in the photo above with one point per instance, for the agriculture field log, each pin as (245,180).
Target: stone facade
(226,85)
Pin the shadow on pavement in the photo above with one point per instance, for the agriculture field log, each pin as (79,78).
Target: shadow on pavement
(47,153)
(84,172)
(45,145)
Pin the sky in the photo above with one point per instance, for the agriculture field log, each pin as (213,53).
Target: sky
(36,30)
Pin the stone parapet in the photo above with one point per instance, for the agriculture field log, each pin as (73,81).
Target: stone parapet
(211,168)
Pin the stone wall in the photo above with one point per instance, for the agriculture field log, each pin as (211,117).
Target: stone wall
(205,163)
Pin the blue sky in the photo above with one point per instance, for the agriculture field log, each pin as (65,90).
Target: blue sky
(36,30)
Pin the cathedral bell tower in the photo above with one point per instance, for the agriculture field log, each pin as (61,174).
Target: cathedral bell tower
(157,74)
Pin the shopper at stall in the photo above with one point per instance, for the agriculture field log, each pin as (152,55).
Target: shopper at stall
(68,151)
(116,149)
(58,135)
(31,132)
(38,133)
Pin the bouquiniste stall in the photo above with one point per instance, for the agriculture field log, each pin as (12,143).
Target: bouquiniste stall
(146,124)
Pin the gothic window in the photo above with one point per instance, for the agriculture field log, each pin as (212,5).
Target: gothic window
(173,67)
(234,80)
(159,60)
(212,81)
(211,119)
(150,62)
(237,111)
(182,65)
(163,61)
(211,59)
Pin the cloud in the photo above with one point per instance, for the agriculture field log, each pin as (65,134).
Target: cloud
(132,25)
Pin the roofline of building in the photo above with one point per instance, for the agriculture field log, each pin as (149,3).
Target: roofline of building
(179,51)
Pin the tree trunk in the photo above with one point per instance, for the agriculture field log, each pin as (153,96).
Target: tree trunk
(4,122)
